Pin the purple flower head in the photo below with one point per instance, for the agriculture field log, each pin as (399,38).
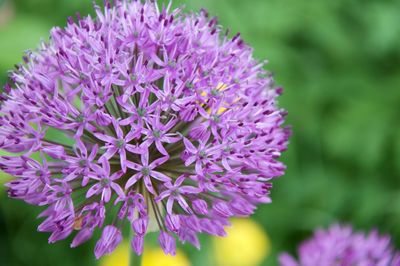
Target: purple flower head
(340,245)
(142,116)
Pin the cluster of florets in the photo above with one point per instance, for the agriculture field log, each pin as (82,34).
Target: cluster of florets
(143,115)
(340,246)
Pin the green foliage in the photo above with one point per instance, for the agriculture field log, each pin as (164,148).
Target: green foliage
(17,37)
(338,62)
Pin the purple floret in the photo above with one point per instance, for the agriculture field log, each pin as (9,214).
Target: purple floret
(146,115)
(341,246)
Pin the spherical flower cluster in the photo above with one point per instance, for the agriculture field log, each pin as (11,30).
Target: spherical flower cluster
(340,246)
(160,120)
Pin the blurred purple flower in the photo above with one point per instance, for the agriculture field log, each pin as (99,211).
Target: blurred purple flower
(167,120)
(341,246)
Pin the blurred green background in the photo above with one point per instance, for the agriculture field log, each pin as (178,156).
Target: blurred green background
(339,62)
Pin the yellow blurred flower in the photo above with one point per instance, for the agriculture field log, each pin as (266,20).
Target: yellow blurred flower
(156,257)
(120,256)
(151,257)
(247,244)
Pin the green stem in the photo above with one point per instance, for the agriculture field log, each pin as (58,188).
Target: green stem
(134,259)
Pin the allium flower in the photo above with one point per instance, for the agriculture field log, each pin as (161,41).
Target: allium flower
(167,120)
(341,246)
